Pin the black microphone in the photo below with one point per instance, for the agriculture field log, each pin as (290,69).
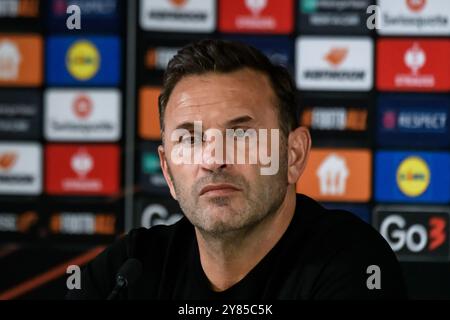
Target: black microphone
(130,271)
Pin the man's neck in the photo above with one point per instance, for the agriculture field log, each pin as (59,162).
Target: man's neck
(228,260)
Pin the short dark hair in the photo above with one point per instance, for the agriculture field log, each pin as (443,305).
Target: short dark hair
(224,56)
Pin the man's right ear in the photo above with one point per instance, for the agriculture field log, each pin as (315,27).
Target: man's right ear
(165,169)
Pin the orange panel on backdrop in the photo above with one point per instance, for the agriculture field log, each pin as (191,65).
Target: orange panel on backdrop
(21,60)
(149,127)
(337,175)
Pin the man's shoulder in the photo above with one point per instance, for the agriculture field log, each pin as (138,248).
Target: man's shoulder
(149,245)
(338,228)
(340,248)
(140,241)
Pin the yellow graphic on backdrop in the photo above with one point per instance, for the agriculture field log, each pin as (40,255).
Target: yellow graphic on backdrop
(83,60)
(413,176)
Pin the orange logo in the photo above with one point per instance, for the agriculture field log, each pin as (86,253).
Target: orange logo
(20,8)
(178,3)
(82,107)
(336,56)
(28,8)
(20,60)
(55,223)
(337,175)
(150,58)
(105,224)
(334,118)
(149,127)
(416,5)
(26,221)
(7,160)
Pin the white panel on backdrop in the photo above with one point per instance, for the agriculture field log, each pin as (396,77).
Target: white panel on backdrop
(414,17)
(20,169)
(334,63)
(178,15)
(82,115)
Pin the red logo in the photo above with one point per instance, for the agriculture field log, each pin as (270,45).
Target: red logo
(389,120)
(7,161)
(60,7)
(416,5)
(82,107)
(413,65)
(437,232)
(256,16)
(416,234)
(82,170)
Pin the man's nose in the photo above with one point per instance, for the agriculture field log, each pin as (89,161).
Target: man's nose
(213,158)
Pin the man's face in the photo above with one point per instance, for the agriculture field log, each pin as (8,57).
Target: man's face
(220,198)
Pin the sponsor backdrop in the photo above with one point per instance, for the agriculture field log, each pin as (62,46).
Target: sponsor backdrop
(79,126)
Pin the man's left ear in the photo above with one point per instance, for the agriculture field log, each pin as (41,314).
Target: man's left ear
(299,145)
(165,171)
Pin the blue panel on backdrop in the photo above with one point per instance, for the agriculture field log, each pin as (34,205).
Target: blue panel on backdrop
(96,15)
(280,50)
(412,177)
(413,121)
(359,210)
(91,60)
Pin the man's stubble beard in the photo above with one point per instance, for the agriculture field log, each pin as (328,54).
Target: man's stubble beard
(261,200)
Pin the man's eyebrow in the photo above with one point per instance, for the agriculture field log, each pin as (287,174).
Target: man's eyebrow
(188,125)
(239,120)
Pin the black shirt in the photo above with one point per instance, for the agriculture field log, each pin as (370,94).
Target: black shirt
(324,254)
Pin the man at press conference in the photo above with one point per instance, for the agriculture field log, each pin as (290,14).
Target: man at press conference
(245,233)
